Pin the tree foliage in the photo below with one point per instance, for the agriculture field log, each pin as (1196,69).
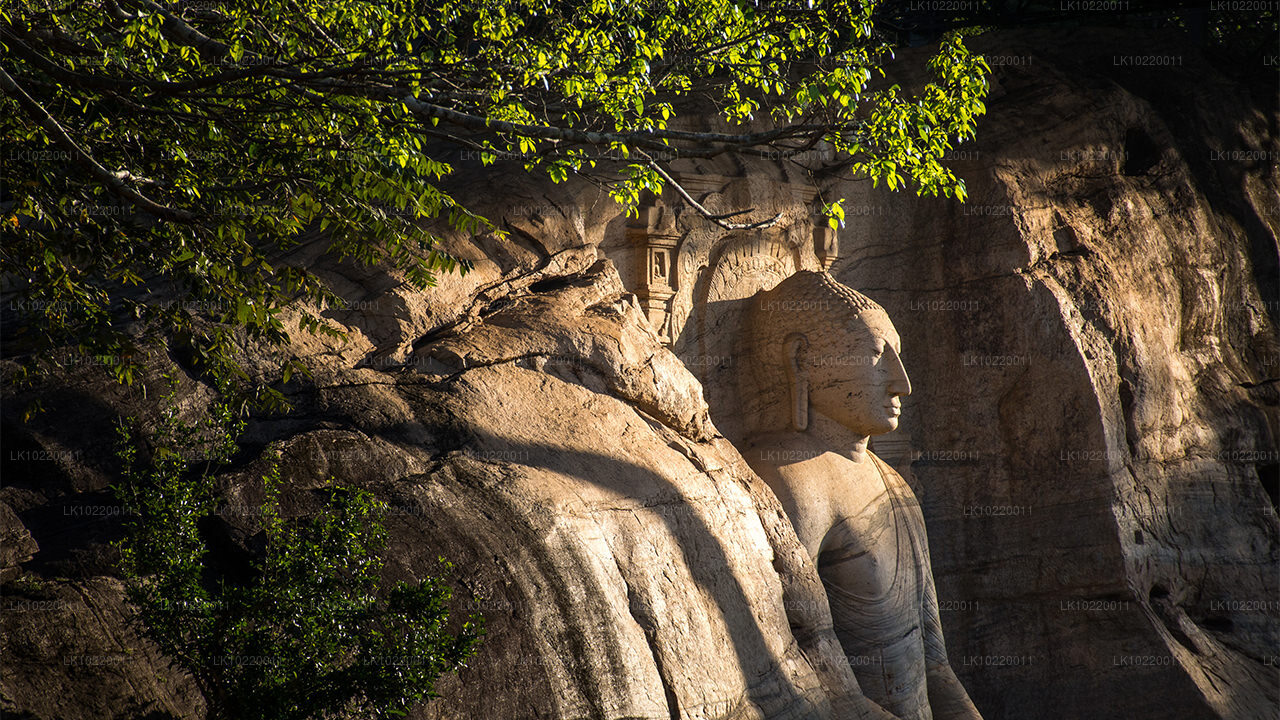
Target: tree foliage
(163,150)
(311,634)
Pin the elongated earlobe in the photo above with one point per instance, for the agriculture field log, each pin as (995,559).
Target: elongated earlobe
(800,407)
(794,347)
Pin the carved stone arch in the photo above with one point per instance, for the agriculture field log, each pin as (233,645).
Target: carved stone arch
(693,279)
(711,343)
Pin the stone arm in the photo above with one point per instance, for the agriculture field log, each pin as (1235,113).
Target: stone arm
(849,705)
(811,526)
(947,697)
(831,661)
(868,710)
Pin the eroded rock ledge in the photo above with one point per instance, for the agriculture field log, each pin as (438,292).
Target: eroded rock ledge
(1090,337)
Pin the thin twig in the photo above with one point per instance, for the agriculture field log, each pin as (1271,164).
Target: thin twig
(717,219)
(115,182)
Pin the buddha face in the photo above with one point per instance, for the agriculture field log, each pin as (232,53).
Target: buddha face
(856,376)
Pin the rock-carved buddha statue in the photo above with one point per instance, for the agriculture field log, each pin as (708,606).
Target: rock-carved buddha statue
(828,375)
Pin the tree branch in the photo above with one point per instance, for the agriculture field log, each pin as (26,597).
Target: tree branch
(717,219)
(180,31)
(115,182)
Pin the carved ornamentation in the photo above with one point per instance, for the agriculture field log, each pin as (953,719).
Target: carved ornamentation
(653,236)
(826,245)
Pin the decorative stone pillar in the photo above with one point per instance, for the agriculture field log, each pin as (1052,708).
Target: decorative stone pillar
(826,245)
(652,233)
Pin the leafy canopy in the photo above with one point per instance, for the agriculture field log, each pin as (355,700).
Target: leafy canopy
(164,155)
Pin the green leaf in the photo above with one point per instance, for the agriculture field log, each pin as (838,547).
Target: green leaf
(250,155)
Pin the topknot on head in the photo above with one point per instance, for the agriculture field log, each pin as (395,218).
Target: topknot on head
(813,288)
(854,299)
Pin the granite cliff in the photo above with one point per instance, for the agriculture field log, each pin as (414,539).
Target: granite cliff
(1092,434)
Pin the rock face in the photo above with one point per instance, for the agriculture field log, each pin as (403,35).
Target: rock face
(16,545)
(71,650)
(1091,430)
(1093,345)
(629,563)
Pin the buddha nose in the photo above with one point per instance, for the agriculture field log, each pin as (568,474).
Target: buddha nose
(899,383)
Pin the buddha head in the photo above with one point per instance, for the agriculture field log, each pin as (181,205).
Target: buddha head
(821,346)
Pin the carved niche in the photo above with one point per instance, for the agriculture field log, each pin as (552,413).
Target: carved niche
(692,278)
(653,238)
(826,245)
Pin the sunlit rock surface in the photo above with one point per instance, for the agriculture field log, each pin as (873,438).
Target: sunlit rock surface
(1094,356)
(1092,429)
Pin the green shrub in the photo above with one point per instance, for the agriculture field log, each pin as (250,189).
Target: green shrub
(312,633)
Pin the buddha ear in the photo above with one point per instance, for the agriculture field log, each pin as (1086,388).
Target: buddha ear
(793,349)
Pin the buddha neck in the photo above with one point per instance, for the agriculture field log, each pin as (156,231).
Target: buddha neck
(837,438)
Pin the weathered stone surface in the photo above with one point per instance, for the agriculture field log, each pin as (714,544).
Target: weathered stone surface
(71,651)
(16,545)
(629,563)
(1095,400)
(1090,350)
(825,376)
